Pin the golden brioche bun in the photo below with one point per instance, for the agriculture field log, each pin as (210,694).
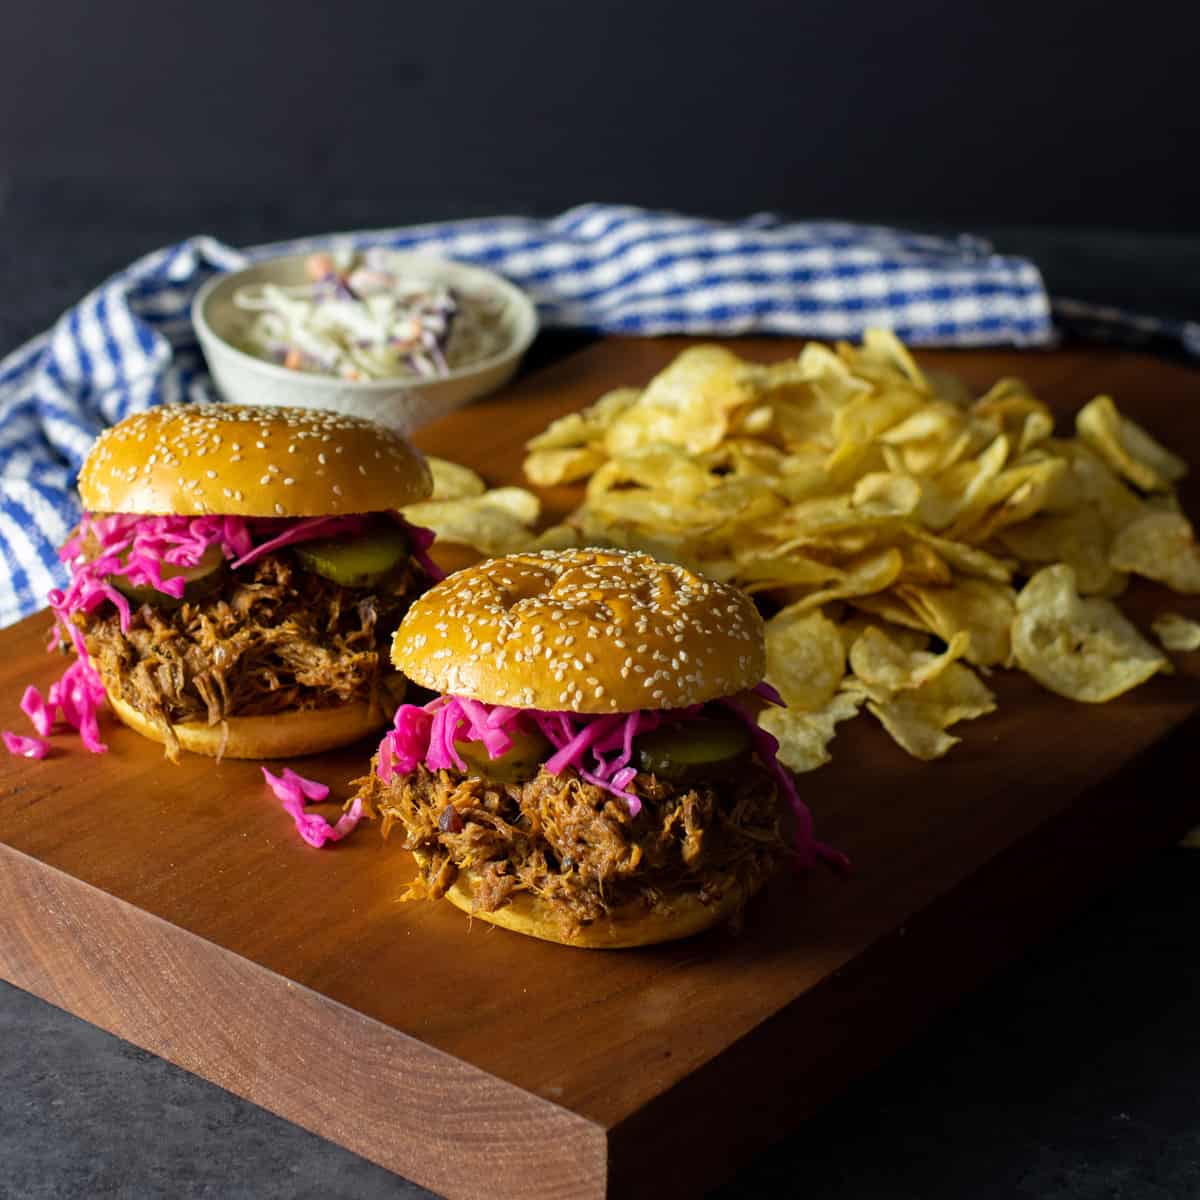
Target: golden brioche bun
(586,631)
(679,916)
(281,735)
(250,462)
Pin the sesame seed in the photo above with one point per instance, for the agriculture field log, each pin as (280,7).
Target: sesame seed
(529,610)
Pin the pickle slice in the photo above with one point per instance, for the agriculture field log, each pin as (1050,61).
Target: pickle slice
(201,580)
(519,763)
(692,749)
(361,561)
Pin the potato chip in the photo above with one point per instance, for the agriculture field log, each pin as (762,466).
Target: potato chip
(916,695)
(1083,649)
(863,575)
(1162,546)
(755,421)
(925,459)
(547,468)
(1092,483)
(661,467)
(1012,409)
(885,667)
(913,730)
(885,492)
(687,404)
(1038,426)
(793,408)
(958,493)
(1176,632)
(933,439)
(495,523)
(923,564)
(1012,495)
(892,609)
(853,627)
(938,422)
(976,606)
(838,546)
(965,559)
(884,356)
(917,719)
(1127,447)
(805,658)
(587,427)
(452,481)
(861,421)
(804,737)
(557,537)
(762,572)
(1079,538)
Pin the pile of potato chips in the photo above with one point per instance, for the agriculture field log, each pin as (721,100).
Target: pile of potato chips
(462,511)
(912,536)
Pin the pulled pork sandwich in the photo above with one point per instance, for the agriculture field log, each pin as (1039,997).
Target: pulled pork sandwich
(234,578)
(591,772)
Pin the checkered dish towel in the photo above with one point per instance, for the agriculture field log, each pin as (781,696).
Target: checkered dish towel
(129,345)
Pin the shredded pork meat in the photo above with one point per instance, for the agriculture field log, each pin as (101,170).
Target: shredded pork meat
(575,845)
(272,639)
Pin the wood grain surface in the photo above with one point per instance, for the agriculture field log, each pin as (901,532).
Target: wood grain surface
(175,906)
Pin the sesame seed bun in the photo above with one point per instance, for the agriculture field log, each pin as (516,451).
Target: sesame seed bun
(253,462)
(281,735)
(587,631)
(679,915)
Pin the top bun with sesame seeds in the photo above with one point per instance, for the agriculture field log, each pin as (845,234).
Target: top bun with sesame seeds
(585,631)
(230,460)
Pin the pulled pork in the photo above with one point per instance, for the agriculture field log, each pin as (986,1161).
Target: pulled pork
(273,639)
(575,845)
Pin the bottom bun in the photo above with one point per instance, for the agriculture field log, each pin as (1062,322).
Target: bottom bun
(679,916)
(281,735)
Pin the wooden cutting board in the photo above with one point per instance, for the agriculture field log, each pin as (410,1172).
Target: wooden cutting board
(175,907)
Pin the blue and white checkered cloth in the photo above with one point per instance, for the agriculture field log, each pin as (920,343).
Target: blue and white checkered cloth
(129,345)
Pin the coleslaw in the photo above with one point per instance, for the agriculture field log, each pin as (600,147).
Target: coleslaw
(358,319)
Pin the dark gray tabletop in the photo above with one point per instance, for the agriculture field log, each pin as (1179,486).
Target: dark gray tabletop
(1072,1074)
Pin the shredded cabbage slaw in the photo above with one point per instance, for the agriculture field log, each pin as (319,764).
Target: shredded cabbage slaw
(598,747)
(26,747)
(358,319)
(295,792)
(138,548)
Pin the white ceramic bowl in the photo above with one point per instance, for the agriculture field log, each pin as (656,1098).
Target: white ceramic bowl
(402,403)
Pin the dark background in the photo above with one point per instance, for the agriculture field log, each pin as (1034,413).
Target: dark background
(1057,128)
(1066,131)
